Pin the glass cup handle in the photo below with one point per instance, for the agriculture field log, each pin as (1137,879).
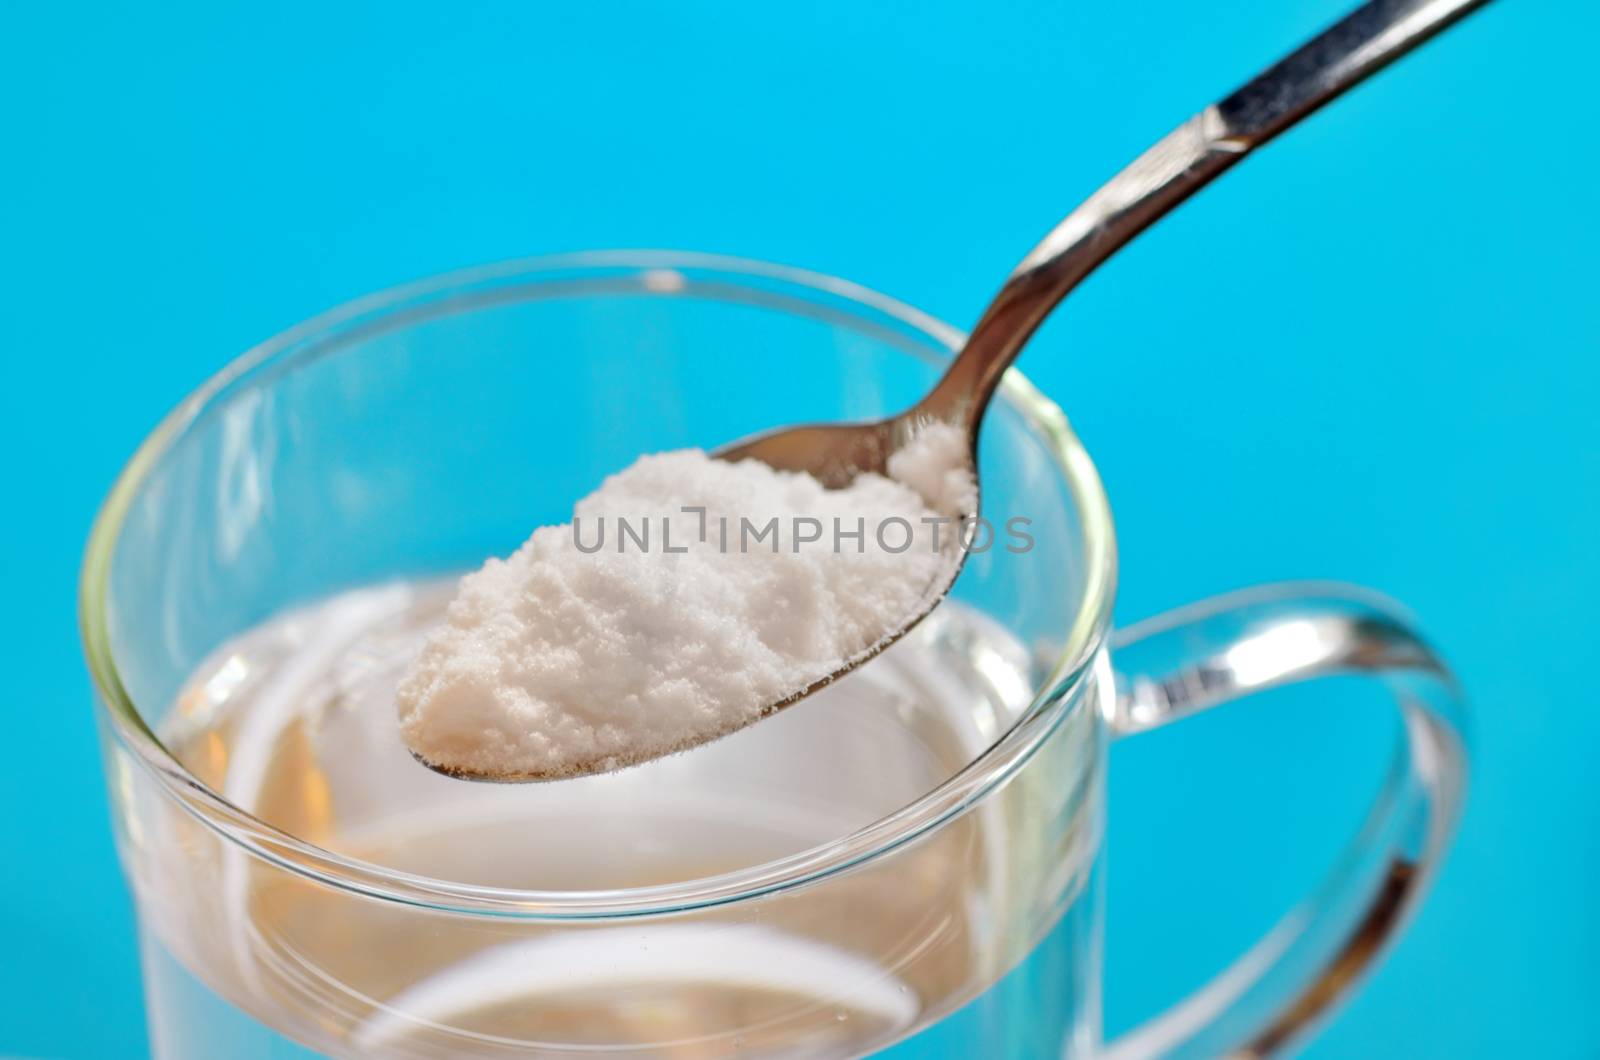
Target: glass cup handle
(1220,649)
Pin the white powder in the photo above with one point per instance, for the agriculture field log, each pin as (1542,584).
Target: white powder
(559,661)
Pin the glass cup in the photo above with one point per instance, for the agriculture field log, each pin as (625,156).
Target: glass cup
(908,861)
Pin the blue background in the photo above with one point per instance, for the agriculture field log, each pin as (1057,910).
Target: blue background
(1368,354)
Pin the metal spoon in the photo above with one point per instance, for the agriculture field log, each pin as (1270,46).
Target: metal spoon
(1174,168)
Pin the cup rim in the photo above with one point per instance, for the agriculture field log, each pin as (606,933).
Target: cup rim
(1052,699)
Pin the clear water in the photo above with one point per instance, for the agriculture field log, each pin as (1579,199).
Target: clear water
(295,721)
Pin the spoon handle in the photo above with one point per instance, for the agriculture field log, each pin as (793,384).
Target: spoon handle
(1174,168)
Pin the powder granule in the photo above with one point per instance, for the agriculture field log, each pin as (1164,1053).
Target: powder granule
(642,629)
